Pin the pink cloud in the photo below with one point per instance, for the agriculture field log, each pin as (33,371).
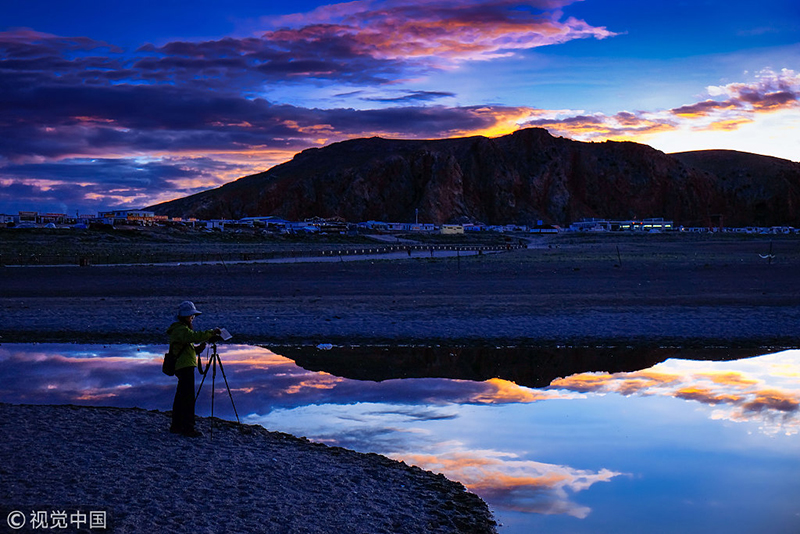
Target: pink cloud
(514,483)
(455,30)
(733,106)
(771,91)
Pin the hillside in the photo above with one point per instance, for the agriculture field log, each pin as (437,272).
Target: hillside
(759,190)
(523,177)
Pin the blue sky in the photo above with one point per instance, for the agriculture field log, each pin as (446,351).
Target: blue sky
(127,104)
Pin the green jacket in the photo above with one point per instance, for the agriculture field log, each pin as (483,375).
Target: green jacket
(181,335)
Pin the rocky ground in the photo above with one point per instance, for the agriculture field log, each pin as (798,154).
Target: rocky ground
(246,479)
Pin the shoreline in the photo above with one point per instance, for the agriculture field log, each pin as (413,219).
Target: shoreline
(247,479)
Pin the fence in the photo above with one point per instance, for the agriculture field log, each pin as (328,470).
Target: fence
(151,258)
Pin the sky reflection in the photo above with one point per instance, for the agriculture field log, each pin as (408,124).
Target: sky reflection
(763,390)
(677,446)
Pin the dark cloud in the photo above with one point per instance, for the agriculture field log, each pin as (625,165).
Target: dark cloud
(701,109)
(773,400)
(413,96)
(313,53)
(103,183)
(72,104)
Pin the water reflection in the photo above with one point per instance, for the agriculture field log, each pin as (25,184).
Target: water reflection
(677,446)
(762,390)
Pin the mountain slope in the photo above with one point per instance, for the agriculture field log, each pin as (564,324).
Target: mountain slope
(760,190)
(523,177)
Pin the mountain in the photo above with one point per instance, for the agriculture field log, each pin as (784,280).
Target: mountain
(518,178)
(759,190)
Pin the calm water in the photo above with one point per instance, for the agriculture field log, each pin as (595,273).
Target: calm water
(682,446)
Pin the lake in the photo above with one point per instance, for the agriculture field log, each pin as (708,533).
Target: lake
(558,441)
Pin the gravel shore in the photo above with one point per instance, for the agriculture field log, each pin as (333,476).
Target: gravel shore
(246,480)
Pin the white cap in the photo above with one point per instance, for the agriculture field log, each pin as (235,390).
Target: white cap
(187,308)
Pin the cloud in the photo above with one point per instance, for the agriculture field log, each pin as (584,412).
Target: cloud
(436,31)
(728,378)
(624,125)
(499,391)
(515,484)
(99,183)
(706,396)
(584,382)
(735,105)
(771,91)
(412,96)
(771,399)
(366,43)
(703,109)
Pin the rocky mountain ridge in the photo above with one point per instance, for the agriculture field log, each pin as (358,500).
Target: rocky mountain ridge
(518,178)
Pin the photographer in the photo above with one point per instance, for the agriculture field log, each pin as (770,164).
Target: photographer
(182,339)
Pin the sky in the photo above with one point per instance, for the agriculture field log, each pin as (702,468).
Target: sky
(121,105)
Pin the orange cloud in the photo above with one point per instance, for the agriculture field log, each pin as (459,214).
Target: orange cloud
(503,391)
(730,378)
(624,126)
(584,382)
(706,396)
(515,484)
(727,125)
(317,382)
(771,92)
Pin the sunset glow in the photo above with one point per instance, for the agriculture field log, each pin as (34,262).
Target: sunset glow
(235,89)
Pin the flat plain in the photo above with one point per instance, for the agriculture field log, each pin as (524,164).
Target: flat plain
(688,290)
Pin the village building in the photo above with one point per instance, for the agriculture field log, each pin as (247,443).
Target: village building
(133,217)
(452,229)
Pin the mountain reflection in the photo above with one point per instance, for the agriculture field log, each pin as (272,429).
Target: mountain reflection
(533,367)
(470,426)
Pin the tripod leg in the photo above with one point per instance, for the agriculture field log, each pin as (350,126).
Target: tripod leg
(229,391)
(214,359)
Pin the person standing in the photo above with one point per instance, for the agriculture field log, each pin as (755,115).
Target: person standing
(182,341)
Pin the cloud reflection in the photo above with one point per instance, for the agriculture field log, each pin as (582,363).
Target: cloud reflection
(763,390)
(513,483)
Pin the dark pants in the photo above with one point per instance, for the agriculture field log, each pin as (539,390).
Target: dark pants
(183,405)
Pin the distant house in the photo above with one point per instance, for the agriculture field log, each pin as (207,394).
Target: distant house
(51,218)
(541,229)
(452,229)
(633,225)
(137,217)
(269,222)
(215,224)
(590,225)
(301,228)
(374,225)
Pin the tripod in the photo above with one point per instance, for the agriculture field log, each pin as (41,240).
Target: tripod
(213,360)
